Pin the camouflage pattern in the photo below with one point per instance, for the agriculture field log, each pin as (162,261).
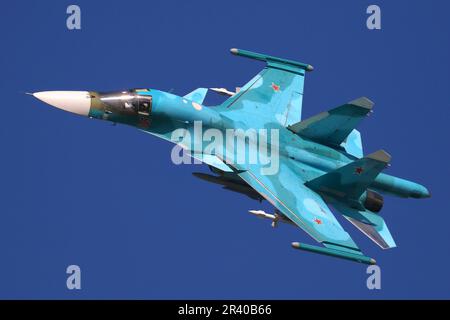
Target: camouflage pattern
(321,159)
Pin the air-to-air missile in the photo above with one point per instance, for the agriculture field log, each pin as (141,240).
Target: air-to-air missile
(276,217)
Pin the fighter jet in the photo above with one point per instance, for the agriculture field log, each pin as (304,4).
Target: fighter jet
(320,160)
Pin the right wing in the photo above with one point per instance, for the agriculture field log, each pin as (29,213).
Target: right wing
(300,204)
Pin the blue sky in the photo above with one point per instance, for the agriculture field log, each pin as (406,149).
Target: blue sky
(109,199)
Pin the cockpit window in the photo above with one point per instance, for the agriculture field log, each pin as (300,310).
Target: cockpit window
(128,101)
(144,105)
(119,100)
(127,106)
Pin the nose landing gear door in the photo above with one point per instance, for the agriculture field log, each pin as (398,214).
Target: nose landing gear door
(144,111)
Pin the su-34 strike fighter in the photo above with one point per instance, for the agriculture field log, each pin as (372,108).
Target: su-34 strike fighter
(320,159)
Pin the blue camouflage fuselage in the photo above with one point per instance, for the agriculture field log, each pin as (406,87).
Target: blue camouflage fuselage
(170,112)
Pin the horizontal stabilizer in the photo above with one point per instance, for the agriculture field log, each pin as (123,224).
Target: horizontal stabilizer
(198,95)
(352,180)
(371,224)
(334,126)
(379,234)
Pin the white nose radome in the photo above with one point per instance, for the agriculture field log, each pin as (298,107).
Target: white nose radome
(78,102)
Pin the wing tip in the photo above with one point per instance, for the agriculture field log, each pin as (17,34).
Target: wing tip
(381,156)
(363,102)
(270,59)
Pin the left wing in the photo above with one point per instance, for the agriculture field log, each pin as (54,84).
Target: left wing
(303,206)
(273,95)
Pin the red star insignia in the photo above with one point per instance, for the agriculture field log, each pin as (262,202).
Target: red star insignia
(275,87)
(318,221)
(359,170)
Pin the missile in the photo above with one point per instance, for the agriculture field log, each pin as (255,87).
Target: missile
(334,253)
(262,214)
(224,91)
(274,217)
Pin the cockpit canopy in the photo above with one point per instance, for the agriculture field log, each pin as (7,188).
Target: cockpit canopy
(131,106)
